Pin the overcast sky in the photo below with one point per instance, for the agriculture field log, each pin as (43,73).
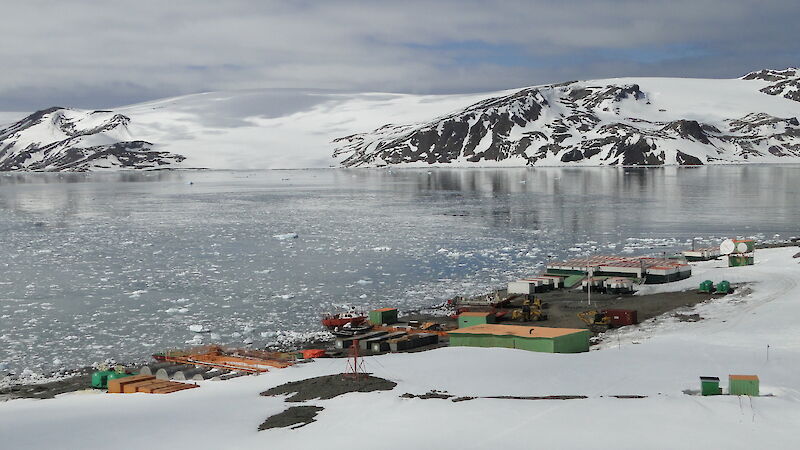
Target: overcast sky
(103,53)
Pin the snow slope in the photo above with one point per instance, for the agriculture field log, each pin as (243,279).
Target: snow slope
(658,359)
(628,121)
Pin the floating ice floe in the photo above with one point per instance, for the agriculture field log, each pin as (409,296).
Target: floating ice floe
(285,236)
(196,340)
(199,328)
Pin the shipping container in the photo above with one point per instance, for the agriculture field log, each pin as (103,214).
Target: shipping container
(735,260)
(383,316)
(743,385)
(622,317)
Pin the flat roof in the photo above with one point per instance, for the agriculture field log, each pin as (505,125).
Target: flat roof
(386,309)
(743,377)
(517,330)
(616,262)
(476,314)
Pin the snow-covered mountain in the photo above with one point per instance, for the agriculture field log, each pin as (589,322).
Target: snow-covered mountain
(64,139)
(623,121)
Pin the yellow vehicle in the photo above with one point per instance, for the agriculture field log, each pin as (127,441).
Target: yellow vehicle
(529,312)
(597,321)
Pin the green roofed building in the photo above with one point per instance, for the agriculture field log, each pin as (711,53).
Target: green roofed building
(468,319)
(536,339)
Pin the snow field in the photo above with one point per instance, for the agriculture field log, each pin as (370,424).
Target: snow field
(663,359)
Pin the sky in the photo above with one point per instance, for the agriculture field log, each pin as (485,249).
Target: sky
(106,53)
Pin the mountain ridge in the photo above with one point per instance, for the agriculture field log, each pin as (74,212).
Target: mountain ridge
(622,121)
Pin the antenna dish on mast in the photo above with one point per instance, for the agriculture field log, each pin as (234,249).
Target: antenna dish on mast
(727,247)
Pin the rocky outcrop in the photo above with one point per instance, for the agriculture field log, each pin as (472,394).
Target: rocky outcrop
(60,139)
(785,83)
(575,123)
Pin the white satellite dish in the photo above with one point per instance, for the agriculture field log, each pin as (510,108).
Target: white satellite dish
(727,247)
(741,247)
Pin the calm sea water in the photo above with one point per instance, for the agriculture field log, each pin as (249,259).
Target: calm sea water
(118,265)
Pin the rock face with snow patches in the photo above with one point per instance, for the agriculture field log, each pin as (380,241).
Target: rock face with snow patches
(785,83)
(622,121)
(584,122)
(60,139)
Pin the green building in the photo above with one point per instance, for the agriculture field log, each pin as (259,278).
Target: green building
(468,319)
(382,316)
(740,260)
(710,386)
(743,385)
(536,339)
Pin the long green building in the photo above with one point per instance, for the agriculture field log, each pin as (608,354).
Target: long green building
(536,339)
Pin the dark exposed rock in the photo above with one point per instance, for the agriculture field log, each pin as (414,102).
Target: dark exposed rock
(771,75)
(572,156)
(73,152)
(688,129)
(294,417)
(636,153)
(785,83)
(687,160)
(329,386)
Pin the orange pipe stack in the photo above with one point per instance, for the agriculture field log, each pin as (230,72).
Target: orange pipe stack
(147,384)
(215,359)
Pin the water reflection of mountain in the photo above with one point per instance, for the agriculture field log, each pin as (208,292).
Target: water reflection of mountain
(744,197)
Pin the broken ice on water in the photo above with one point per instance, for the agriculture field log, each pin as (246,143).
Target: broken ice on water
(126,265)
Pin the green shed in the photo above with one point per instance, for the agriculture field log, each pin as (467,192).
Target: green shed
(536,339)
(383,316)
(743,385)
(710,386)
(740,260)
(468,319)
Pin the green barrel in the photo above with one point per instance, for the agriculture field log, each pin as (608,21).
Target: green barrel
(115,375)
(723,287)
(100,378)
(706,287)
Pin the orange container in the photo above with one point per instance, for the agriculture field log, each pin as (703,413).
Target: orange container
(313,353)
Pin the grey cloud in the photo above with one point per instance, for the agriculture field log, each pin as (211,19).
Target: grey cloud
(100,54)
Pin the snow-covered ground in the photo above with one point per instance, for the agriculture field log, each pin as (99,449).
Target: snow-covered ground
(658,359)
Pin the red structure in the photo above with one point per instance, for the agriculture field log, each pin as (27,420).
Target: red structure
(621,317)
(355,366)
